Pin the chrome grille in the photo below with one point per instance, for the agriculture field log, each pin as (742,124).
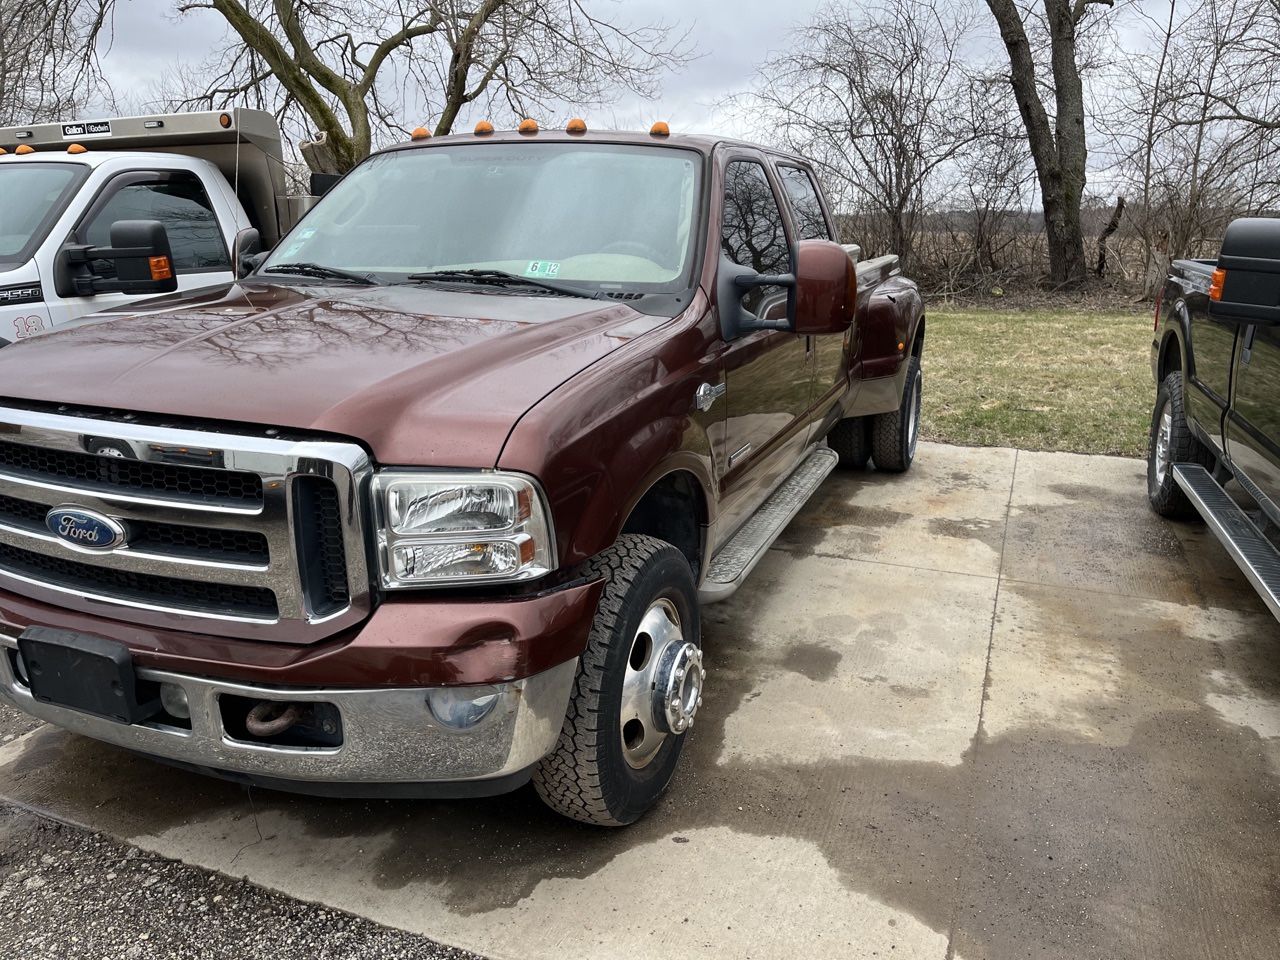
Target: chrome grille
(244,536)
(120,473)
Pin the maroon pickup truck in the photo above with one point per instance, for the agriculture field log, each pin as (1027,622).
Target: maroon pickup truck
(426,502)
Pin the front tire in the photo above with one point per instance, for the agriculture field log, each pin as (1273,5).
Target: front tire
(894,435)
(1171,441)
(638,686)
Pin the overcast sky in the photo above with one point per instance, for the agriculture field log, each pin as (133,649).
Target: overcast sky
(731,36)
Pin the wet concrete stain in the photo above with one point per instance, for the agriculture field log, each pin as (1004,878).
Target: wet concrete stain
(1108,538)
(814,660)
(861,528)
(990,532)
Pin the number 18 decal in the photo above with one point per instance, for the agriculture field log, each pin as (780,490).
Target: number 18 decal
(28,326)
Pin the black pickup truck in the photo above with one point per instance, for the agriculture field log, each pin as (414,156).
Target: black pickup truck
(1216,361)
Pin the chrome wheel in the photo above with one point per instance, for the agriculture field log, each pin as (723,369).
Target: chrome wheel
(1164,443)
(662,687)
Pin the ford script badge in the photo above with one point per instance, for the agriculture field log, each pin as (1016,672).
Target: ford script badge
(85,529)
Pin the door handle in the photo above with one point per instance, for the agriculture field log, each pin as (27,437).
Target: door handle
(707,395)
(1246,354)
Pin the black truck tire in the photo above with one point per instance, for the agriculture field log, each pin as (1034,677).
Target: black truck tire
(894,435)
(601,771)
(1169,443)
(851,440)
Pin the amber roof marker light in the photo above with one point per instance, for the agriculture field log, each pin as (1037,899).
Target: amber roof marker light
(528,126)
(420,133)
(484,128)
(224,121)
(77,148)
(23,149)
(577,126)
(660,129)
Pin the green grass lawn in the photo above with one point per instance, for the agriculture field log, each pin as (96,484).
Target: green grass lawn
(1044,378)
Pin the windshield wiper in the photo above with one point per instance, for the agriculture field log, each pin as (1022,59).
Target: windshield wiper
(501,278)
(321,272)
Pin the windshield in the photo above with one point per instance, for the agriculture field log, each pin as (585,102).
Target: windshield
(598,216)
(31,197)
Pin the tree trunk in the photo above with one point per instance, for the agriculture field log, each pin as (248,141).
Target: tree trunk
(1058,149)
(1112,226)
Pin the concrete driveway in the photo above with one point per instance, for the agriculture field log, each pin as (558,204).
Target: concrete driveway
(993,708)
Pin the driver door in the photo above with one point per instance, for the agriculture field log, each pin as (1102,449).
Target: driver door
(768,373)
(176,198)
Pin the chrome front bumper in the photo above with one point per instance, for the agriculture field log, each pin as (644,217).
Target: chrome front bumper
(389,735)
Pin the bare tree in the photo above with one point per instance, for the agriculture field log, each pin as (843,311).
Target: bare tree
(48,57)
(344,71)
(877,97)
(1057,143)
(1192,165)
(1248,45)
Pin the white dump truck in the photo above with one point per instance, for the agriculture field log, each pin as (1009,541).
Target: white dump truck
(214,180)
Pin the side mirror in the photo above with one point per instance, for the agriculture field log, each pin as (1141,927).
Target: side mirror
(826,288)
(140,254)
(248,242)
(1246,285)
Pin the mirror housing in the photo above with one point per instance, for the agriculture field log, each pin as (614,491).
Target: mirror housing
(826,288)
(1246,285)
(732,281)
(247,244)
(141,254)
(322,183)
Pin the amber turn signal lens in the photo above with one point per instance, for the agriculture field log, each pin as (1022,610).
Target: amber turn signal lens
(23,149)
(77,148)
(484,128)
(161,268)
(660,129)
(576,125)
(528,126)
(1215,285)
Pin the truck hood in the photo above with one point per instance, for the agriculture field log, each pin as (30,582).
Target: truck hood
(423,376)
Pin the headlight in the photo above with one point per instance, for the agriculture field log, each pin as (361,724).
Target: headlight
(460,528)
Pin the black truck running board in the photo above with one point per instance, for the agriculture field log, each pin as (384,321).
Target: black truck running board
(1252,552)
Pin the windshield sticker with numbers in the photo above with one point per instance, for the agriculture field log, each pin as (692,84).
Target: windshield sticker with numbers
(546,269)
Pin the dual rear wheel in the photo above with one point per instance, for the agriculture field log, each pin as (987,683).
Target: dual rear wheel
(888,439)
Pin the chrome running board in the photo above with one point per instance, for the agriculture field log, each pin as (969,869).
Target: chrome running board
(1252,552)
(738,557)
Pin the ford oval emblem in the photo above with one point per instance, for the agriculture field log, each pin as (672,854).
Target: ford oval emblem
(85,529)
